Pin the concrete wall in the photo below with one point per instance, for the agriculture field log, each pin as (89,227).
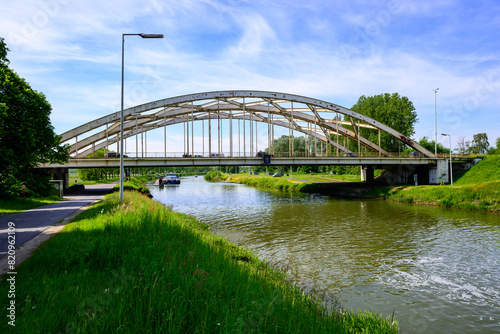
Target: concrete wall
(439,171)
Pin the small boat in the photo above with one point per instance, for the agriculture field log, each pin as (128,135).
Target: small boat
(171,178)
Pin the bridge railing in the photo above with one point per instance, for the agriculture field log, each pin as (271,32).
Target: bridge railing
(330,154)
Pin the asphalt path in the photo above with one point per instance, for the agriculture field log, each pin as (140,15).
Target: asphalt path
(30,223)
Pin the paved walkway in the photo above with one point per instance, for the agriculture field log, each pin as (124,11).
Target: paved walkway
(30,223)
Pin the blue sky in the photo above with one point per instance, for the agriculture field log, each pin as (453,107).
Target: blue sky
(331,50)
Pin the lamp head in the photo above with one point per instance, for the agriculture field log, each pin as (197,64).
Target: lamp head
(151,35)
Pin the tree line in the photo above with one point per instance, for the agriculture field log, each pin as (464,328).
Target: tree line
(26,135)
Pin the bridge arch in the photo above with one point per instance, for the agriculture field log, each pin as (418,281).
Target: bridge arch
(273,108)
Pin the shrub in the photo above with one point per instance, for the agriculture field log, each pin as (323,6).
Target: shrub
(132,187)
(213,176)
(446,203)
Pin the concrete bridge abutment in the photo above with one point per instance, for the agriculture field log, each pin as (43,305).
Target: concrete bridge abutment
(367,174)
(61,174)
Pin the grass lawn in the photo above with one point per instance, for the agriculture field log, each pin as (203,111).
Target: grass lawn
(327,177)
(18,205)
(73,178)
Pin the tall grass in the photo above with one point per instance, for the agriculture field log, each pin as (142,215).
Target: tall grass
(140,268)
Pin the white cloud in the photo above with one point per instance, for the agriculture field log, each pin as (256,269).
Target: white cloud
(257,36)
(72,53)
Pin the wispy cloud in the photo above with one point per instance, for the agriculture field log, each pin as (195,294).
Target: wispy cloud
(335,51)
(257,35)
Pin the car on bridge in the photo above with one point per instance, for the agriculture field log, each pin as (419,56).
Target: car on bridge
(349,154)
(114,155)
(261,154)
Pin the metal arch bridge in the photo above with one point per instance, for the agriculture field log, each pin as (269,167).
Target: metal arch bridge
(318,120)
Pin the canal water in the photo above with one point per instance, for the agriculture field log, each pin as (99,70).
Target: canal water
(437,270)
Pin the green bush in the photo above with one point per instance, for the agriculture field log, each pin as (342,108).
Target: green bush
(133,187)
(213,176)
(446,203)
(36,186)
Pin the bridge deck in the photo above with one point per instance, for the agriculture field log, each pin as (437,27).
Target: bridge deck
(254,161)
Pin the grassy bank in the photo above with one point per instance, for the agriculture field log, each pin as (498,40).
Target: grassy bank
(487,170)
(270,182)
(137,183)
(476,189)
(139,267)
(301,182)
(16,205)
(326,177)
(478,197)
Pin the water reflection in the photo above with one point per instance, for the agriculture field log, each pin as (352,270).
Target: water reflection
(437,269)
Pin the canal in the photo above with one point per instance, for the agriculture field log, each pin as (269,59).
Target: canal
(437,269)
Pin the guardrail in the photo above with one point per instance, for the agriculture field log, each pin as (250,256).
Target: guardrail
(413,155)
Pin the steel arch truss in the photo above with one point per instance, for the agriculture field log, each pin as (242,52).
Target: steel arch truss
(315,118)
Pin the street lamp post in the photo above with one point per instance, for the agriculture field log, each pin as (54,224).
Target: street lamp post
(435,123)
(121,114)
(451,165)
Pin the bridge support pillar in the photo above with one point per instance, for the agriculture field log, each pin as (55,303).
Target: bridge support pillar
(62,174)
(367,174)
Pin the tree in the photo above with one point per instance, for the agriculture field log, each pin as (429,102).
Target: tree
(89,174)
(462,145)
(430,145)
(392,110)
(480,143)
(281,146)
(26,134)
